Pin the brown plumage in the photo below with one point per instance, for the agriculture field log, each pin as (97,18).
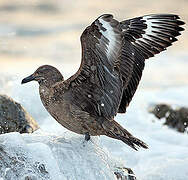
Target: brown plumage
(113,57)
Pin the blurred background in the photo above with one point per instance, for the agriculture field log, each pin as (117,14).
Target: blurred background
(38,32)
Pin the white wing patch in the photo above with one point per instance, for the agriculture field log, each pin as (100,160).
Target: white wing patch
(109,34)
(149,30)
(112,37)
(155,27)
(149,23)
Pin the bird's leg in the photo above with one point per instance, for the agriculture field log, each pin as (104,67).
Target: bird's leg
(87,136)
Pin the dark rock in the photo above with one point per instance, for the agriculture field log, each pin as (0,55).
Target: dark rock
(14,118)
(178,119)
(123,173)
(160,110)
(174,118)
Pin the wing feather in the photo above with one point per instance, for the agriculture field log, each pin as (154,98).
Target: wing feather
(97,86)
(113,58)
(145,36)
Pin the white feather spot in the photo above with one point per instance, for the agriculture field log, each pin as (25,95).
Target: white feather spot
(111,91)
(102,104)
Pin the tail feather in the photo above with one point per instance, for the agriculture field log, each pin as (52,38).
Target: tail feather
(115,130)
(134,142)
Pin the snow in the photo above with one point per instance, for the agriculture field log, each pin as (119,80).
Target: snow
(66,155)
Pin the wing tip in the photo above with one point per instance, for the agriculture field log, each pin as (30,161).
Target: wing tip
(174,17)
(107,17)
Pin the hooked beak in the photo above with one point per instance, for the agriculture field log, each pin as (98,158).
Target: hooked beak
(28,79)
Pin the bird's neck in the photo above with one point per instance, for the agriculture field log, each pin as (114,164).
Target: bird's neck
(44,92)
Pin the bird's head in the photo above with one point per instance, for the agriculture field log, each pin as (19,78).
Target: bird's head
(45,75)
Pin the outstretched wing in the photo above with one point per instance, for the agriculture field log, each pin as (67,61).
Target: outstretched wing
(144,37)
(97,86)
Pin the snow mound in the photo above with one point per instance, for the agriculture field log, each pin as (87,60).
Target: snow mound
(45,156)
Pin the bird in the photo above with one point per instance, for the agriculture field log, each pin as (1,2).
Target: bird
(112,62)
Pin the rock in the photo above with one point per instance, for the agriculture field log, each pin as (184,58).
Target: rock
(174,118)
(123,173)
(160,110)
(14,118)
(49,157)
(178,119)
